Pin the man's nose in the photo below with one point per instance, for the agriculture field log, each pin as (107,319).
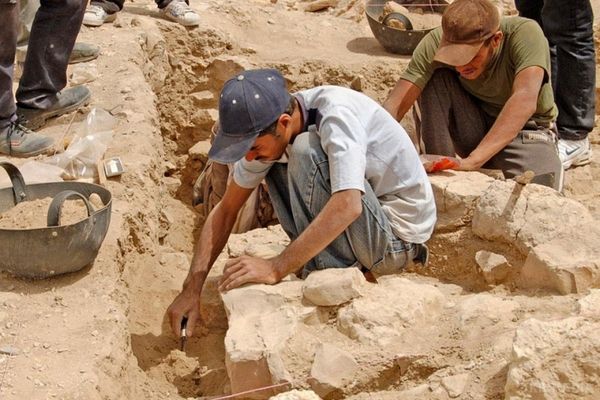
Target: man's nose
(251,155)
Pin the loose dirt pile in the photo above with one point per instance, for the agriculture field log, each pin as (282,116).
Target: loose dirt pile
(33,214)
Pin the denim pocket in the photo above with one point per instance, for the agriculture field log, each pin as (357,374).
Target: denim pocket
(395,259)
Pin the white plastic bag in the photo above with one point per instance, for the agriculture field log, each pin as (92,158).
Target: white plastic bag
(87,147)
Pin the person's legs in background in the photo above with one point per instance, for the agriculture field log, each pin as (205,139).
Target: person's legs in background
(14,139)
(53,34)
(82,52)
(568,25)
(179,11)
(101,11)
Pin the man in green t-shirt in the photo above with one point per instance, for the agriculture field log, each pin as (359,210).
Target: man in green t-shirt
(484,92)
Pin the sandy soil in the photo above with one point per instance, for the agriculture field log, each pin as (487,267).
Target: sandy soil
(101,333)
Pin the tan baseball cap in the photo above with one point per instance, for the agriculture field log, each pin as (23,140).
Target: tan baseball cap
(466,24)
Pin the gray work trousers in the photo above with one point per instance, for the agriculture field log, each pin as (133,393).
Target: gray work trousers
(453,123)
(53,35)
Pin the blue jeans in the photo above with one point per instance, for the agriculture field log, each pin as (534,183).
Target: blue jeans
(300,189)
(568,25)
(53,32)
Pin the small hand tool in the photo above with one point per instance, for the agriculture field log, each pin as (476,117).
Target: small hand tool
(183,334)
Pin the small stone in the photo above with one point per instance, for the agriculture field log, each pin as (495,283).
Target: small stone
(455,385)
(356,83)
(10,350)
(493,267)
(333,286)
(94,333)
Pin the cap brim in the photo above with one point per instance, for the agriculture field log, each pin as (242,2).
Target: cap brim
(456,54)
(228,149)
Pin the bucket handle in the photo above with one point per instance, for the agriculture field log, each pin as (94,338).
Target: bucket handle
(398,17)
(57,203)
(18,183)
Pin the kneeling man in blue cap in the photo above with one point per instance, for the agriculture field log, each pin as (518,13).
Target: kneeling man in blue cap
(343,176)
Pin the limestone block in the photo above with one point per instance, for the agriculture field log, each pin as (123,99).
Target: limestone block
(224,67)
(455,195)
(563,265)
(589,306)
(204,117)
(332,369)
(455,385)
(527,216)
(203,99)
(393,306)
(175,260)
(486,306)
(555,360)
(262,318)
(296,395)
(264,242)
(494,267)
(199,151)
(333,286)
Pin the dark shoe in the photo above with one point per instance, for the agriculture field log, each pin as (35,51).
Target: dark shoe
(65,101)
(421,254)
(83,52)
(18,141)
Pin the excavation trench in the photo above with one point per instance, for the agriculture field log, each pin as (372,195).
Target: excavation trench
(186,71)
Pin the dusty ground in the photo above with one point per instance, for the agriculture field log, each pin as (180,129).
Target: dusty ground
(100,333)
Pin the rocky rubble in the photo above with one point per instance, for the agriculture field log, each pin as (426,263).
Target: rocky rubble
(413,337)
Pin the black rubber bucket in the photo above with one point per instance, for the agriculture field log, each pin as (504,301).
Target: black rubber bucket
(393,40)
(56,249)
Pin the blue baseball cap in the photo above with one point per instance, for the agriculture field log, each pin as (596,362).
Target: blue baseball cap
(250,102)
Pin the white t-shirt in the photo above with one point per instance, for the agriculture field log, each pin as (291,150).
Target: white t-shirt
(363,141)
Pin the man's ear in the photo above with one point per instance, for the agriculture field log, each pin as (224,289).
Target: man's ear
(285,120)
(497,39)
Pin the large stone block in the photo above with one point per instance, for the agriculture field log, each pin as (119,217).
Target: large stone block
(261,321)
(333,286)
(455,195)
(555,360)
(589,306)
(566,265)
(486,306)
(527,215)
(332,369)
(389,309)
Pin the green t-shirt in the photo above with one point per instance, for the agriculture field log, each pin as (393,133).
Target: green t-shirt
(523,45)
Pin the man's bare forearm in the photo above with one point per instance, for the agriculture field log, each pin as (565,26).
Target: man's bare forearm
(511,120)
(212,240)
(516,112)
(339,212)
(401,98)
